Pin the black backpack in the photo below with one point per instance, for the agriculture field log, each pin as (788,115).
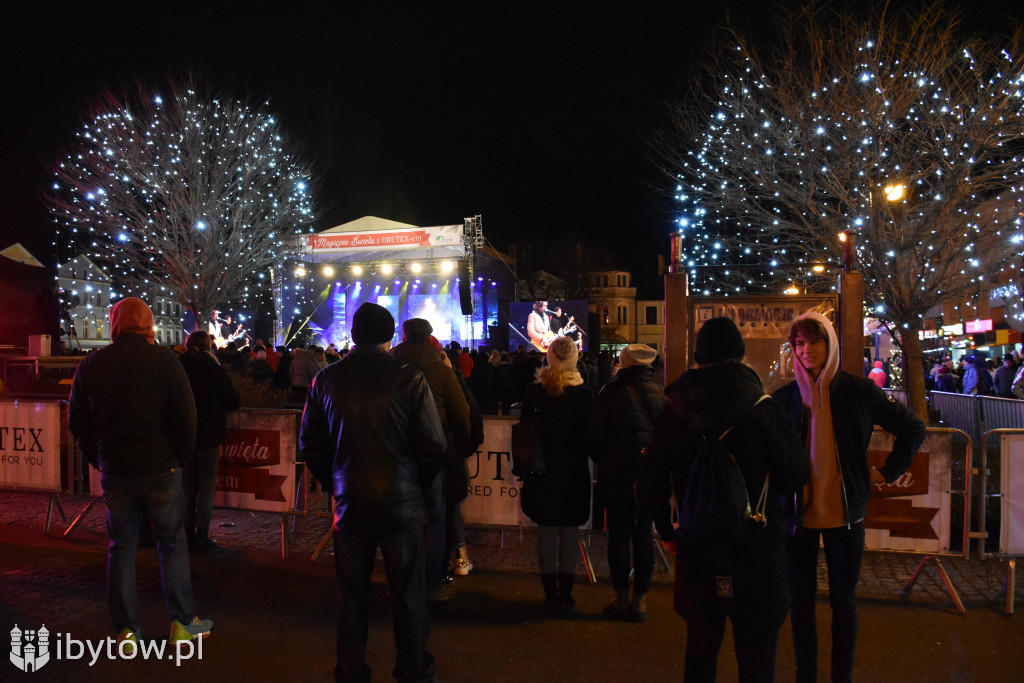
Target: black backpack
(715,507)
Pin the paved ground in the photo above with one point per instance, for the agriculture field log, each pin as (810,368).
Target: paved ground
(275,616)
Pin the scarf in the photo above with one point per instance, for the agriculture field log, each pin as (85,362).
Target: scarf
(823,496)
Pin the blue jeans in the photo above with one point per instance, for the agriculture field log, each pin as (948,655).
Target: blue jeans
(844,549)
(434,535)
(629,521)
(161,497)
(354,555)
(199,479)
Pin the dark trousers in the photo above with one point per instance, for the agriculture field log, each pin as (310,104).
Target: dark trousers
(755,650)
(844,549)
(199,479)
(354,554)
(434,534)
(627,522)
(160,497)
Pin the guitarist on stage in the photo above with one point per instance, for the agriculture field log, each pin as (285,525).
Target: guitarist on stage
(538,326)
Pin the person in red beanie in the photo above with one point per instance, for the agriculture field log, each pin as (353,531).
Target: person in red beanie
(132,412)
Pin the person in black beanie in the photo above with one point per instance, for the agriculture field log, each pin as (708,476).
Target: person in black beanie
(744,578)
(371,434)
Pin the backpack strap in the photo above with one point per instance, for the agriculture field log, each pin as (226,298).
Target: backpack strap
(757,514)
(765,396)
(643,406)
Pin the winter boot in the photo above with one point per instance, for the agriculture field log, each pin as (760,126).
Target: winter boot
(618,609)
(638,608)
(565,602)
(550,583)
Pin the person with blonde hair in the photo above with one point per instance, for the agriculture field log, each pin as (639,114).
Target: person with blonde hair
(558,499)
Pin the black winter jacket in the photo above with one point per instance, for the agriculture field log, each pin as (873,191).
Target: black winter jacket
(619,428)
(857,406)
(708,401)
(452,409)
(214,395)
(370,432)
(559,496)
(131,409)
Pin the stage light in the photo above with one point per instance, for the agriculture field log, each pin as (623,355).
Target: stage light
(447,266)
(300,272)
(417,281)
(434,285)
(357,270)
(328,271)
(386,268)
(398,282)
(416,268)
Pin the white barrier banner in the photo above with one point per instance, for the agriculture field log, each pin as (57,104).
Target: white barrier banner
(30,445)
(493,489)
(1011,477)
(257,461)
(913,512)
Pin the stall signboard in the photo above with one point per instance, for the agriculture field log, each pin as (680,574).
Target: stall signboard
(493,493)
(30,445)
(764,323)
(257,461)
(913,512)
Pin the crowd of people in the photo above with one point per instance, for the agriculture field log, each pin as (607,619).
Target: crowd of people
(979,376)
(387,431)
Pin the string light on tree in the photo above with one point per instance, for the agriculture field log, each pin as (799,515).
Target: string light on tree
(188,191)
(893,126)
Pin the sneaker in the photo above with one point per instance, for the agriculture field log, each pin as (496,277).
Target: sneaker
(445,592)
(197,628)
(205,544)
(462,564)
(132,638)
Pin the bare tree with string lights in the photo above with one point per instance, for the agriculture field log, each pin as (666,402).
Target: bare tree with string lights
(895,126)
(185,193)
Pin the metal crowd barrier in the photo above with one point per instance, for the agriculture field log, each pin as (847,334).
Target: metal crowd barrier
(1001,413)
(959,411)
(1011,519)
(898,394)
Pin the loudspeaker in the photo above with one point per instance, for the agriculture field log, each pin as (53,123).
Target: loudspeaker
(465,298)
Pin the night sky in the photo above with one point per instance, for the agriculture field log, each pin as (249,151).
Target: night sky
(534,116)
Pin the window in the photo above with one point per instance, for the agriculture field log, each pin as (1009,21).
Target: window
(651,315)
(605,315)
(623,315)
(604,281)
(623,281)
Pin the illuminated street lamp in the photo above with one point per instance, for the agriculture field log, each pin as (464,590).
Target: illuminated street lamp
(894,192)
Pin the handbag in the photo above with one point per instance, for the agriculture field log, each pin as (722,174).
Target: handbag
(527,450)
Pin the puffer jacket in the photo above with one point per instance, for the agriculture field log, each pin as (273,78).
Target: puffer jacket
(857,406)
(619,428)
(214,393)
(131,409)
(370,432)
